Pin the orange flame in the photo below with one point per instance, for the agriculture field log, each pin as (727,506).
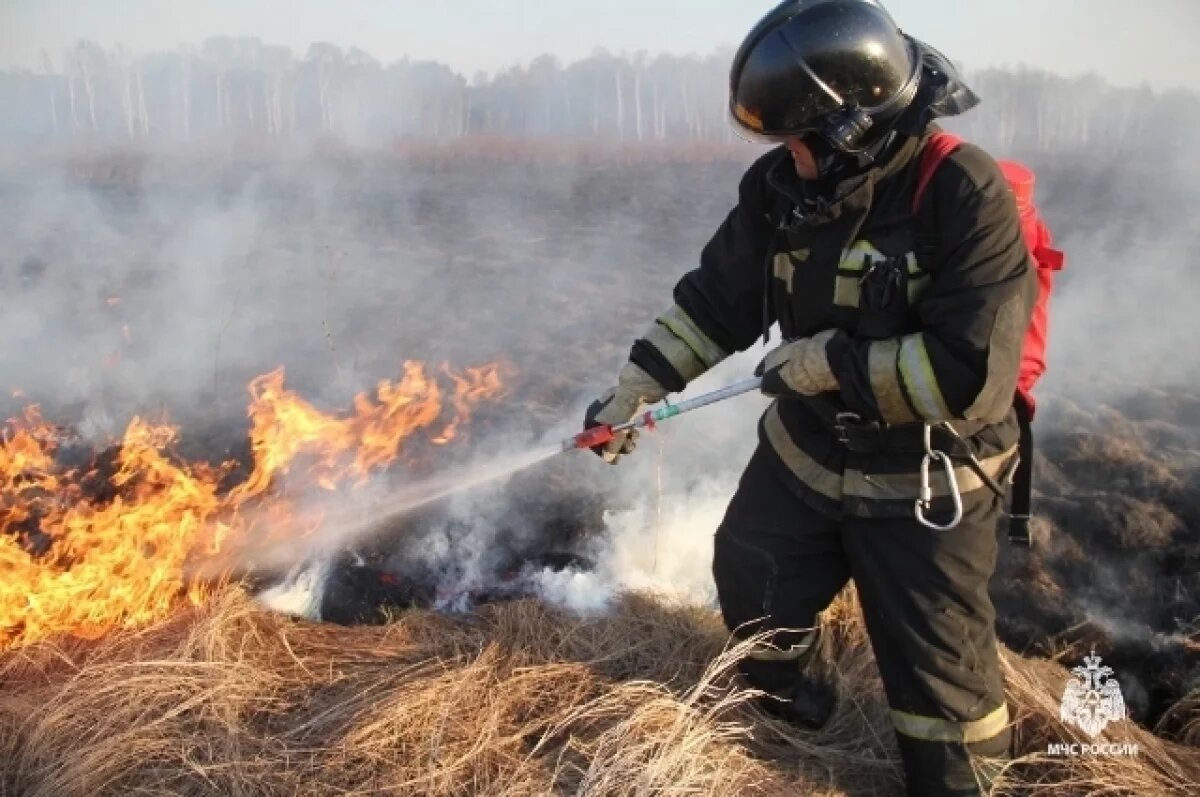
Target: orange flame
(477,385)
(82,552)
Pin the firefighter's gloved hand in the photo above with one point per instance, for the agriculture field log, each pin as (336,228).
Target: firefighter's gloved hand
(798,368)
(618,405)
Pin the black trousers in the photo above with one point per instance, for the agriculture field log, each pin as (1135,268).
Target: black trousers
(778,563)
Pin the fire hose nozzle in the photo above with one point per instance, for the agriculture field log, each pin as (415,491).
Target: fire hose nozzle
(589,438)
(599,435)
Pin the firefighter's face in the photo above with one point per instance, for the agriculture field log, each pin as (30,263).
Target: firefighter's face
(802,157)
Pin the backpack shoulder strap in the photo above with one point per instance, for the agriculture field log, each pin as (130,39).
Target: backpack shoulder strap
(937,148)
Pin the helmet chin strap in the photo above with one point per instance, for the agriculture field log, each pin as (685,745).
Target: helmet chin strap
(833,165)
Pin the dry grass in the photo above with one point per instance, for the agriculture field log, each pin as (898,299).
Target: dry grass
(1183,720)
(1034,688)
(517,700)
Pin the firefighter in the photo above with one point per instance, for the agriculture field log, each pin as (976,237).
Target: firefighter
(902,331)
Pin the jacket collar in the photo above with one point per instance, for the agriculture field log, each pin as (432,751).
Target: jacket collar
(851,195)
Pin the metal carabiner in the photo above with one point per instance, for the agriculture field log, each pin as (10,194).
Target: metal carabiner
(927,429)
(925,502)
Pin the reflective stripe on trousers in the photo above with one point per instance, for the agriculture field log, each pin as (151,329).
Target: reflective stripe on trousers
(937,729)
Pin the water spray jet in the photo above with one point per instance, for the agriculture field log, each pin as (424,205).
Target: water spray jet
(302,590)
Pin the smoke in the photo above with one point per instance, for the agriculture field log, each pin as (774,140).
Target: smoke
(662,545)
(1123,314)
(172,284)
(160,294)
(674,489)
(166,282)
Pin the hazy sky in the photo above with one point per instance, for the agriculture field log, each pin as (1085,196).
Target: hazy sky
(1126,41)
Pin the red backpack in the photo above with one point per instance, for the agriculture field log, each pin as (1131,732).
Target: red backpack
(1021,182)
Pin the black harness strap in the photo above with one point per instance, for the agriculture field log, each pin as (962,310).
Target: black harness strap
(1022,487)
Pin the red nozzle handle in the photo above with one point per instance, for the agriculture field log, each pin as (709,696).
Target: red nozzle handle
(596,436)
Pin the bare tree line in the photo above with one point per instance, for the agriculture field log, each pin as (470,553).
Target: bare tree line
(241,87)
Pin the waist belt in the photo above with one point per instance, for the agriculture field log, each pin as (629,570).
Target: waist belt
(869,437)
(857,435)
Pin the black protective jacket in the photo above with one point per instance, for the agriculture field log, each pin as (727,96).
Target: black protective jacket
(931,309)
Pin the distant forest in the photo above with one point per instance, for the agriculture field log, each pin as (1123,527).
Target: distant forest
(243,89)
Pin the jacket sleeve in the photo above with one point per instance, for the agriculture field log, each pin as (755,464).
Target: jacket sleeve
(719,306)
(725,295)
(963,361)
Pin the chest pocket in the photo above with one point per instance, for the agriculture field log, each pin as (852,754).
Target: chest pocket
(881,286)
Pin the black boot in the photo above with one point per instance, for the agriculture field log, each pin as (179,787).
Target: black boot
(801,690)
(952,769)
(808,704)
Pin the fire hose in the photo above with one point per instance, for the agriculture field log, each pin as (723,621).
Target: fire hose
(599,435)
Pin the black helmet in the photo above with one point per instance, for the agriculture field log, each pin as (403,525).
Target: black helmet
(837,68)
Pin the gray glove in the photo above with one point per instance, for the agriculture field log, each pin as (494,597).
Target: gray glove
(620,404)
(798,368)
(679,341)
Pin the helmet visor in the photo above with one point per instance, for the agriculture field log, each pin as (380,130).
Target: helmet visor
(774,94)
